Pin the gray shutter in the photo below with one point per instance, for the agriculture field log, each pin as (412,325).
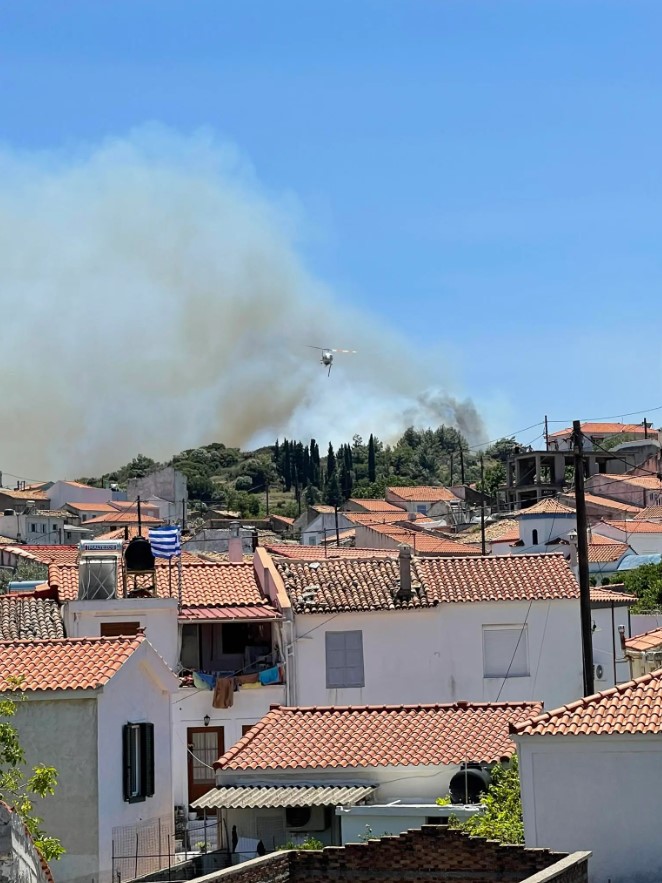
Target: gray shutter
(344,659)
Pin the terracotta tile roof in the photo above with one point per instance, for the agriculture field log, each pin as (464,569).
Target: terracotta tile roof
(610,593)
(506,530)
(28,617)
(283,518)
(91,507)
(33,494)
(633,526)
(376,505)
(343,535)
(633,707)
(319,553)
(423,494)
(64,664)
(547,506)
(650,513)
(344,584)
(337,584)
(370,518)
(204,584)
(605,502)
(604,429)
(604,553)
(650,640)
(46,554)
(422,542)
(80,484)
(129,531)
(7,541)
(129,517)
(497,578)
(649,482)
(378,735)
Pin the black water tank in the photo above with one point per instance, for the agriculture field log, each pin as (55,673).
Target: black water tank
(469,783)
(138,556)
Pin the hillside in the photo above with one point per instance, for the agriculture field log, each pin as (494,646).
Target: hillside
(296,473)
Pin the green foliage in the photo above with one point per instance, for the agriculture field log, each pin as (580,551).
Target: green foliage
(243,483)
(443,801)
(332,492)
(502,819)
(25,570)
(372,463)
(20,789)
(311,495)
(646,583)
(309,843)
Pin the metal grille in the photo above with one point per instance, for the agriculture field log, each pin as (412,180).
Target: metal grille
(143,849)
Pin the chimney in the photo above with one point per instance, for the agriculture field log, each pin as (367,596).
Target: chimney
(255,539)
(235,545)
(621,634)
(404,560)
(572,540)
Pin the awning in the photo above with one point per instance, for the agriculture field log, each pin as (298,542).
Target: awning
(248,611)
(302,795)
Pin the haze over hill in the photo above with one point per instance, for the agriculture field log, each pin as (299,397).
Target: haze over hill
(154,298)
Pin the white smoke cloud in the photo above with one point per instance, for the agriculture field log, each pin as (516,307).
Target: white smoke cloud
(153,298)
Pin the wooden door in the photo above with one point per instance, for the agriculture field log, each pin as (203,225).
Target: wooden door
(205,745)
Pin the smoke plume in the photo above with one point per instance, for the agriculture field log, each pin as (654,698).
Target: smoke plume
(154,298)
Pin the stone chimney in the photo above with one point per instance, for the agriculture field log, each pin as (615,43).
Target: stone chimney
(235,544)
(404,560)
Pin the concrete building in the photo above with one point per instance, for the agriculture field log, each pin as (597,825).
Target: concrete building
(586,774)
(643,537)
(98,710)
(429,630)
(430,501)
(62,492)
(20,860)
(635,490)
(166,488)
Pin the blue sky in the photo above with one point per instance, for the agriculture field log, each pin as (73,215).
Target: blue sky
(485,176)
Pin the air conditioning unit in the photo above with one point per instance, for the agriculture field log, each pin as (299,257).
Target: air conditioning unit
(599,672)
(305,818)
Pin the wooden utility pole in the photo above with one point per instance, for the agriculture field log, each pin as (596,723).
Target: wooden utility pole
(140,523)
(582,561)
(546,433)
(451,469)
(461,464)
(646,425)
(482,506)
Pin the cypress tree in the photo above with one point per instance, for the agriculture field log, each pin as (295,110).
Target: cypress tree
(287,466)
(372,466)
(330,464)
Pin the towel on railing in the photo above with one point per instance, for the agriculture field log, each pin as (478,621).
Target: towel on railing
(203,681)
(270,676)
(223,693)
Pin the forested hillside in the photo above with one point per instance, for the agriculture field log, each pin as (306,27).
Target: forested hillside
(296,473)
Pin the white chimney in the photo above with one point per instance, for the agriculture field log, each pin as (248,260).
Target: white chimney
(404,560)
(235,544)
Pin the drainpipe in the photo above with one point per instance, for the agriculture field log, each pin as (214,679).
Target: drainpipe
(613,640)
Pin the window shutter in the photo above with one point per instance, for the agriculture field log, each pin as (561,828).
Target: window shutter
(344,659)
(147,766)
(127,764)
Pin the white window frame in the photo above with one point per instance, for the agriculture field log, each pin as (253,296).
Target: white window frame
(514,668)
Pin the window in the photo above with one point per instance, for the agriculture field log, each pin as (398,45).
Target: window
(138,761)
(505,651)
(534,537)
(117,629)
(231,646)
(33,528)
(245,728)
(422,508)
(344,659)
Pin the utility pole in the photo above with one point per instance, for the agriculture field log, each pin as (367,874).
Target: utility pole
(451,469)
(266,487)
(461,464)
(546,433)
(646,425)
(140,524)
(582,561)
(482,506)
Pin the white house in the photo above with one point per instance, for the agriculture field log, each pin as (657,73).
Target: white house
(428,500)
(588,772)
(610,624)
(372,631)
(98,710)
(301,771)
(62,492)
(323,526)
(643,537)
(220,625)
(42,527)
(542,523)
(595,435)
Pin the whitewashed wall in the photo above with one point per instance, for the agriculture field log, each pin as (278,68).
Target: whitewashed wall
(595,793)
(140,692)
(640,543)
(606,641)
(436,655)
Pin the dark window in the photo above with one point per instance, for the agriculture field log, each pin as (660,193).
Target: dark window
(344,659)
(117,629)
(138,761)
(534,534)
(245,728)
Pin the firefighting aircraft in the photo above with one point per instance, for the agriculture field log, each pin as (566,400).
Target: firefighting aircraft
(327,355)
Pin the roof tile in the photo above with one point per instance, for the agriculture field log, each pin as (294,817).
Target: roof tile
(546,506)
(64,664)
(320,553)
(645,641)
(378,735)
(25,617)
(423,494)
(633,707)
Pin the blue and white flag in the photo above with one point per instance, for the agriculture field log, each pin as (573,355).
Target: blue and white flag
(165,541)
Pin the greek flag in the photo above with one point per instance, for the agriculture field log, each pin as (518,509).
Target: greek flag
(165,541)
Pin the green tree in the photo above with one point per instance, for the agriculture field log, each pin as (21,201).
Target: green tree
(372,464)
(243,483)
(311,495)
(18,788)
(495,477)
(502,819)
(330,462)
(646,583)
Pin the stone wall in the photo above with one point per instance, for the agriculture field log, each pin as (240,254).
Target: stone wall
(433,854)
(20,861)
